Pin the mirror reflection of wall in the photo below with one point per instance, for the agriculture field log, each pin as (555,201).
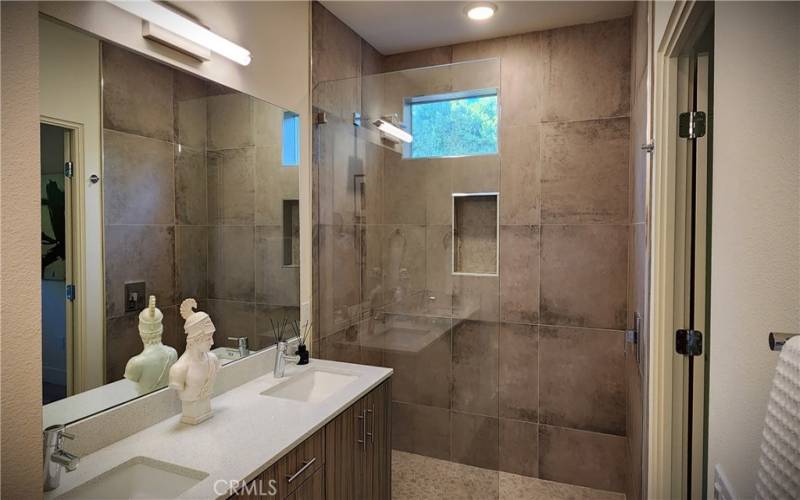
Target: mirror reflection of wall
(200,199)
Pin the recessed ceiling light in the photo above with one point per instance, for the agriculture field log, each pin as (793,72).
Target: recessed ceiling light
(481,11)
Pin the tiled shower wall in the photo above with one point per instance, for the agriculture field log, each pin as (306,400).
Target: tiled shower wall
(527,372)
(192,188)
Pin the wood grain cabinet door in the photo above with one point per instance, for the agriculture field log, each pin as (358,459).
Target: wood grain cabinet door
(378,411)
(343,454)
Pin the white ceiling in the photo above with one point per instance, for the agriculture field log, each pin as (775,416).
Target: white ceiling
(400,26)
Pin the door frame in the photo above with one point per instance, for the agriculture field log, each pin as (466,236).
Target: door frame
(667,431)
(75,253)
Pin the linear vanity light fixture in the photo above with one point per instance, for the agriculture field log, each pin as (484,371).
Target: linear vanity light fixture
(165,19)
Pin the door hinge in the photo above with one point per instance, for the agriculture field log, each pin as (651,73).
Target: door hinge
(692,125)
(689,342)
(71,292)
(649,147)
(69,169)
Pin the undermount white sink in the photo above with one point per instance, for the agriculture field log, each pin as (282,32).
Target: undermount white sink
(312,386)
(139,477)
(226,354)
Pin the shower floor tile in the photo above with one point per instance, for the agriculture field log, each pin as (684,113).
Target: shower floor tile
(415,477)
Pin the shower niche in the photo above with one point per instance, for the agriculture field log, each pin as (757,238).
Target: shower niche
(475,234)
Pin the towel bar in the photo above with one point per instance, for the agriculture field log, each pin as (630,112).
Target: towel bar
(777,339)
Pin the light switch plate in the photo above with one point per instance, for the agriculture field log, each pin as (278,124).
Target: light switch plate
(135,296)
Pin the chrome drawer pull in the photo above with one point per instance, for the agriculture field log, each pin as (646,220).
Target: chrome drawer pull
(363,439)
(305,466)
(370,435)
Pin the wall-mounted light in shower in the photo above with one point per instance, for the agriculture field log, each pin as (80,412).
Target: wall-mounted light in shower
(480,11)
(393,130)
(388,125)
(168,22)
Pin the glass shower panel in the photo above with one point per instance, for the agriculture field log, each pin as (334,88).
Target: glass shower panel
(386,290)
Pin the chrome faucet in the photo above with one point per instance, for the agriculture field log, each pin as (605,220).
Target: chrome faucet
(280,359)
(243,350)
(55,457)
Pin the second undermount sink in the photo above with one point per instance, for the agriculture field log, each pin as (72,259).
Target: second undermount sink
(139,477)
(312,386)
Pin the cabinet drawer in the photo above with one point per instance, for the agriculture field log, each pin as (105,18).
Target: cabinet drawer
(291,471)
(300,463)
(312,489)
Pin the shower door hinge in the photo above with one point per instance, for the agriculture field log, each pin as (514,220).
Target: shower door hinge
(692,125)
(649,147)
(70,292)
(69,170)
(689,342)
(321,118)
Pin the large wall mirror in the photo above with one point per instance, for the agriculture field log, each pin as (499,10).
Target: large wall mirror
(158,183)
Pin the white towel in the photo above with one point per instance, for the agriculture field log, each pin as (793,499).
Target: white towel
(779,465)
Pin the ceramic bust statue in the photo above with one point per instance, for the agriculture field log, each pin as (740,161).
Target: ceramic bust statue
(194,373)
(150,368)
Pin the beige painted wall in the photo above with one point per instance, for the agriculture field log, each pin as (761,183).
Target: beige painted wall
(755,260)
(277,33)
(20,250)
(70,90)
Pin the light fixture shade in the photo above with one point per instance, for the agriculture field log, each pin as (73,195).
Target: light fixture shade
(393,130)
(186,28)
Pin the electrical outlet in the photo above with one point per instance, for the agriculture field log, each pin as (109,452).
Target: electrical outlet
(135,296)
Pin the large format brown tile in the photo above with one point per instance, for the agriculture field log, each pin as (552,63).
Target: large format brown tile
(138,187)
(274,183)
(191,266)
(519,371)
(422,377)
(418,59)
(519,273)
(476,297)
(232,319)
(402,193)
(191,183)
(584,276)
(587,71)
(231,263)
(403,261)
(438,278)
(582,458)
(475,440)
(139,253)
(276,283)
(137,94)
(264,330)
(190,110)
(582,379)
(336,48)
(231,181)
(519,447)
(585,172)
(523,79)
(520,175)
(475,362)
(230,121)
(339,296)
(421,429)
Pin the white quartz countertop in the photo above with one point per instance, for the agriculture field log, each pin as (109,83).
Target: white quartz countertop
(248,433)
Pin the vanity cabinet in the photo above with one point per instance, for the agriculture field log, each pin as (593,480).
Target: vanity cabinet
(348,459)
(358,449)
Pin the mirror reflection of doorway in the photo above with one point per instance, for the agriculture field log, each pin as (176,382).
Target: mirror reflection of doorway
(56,266)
